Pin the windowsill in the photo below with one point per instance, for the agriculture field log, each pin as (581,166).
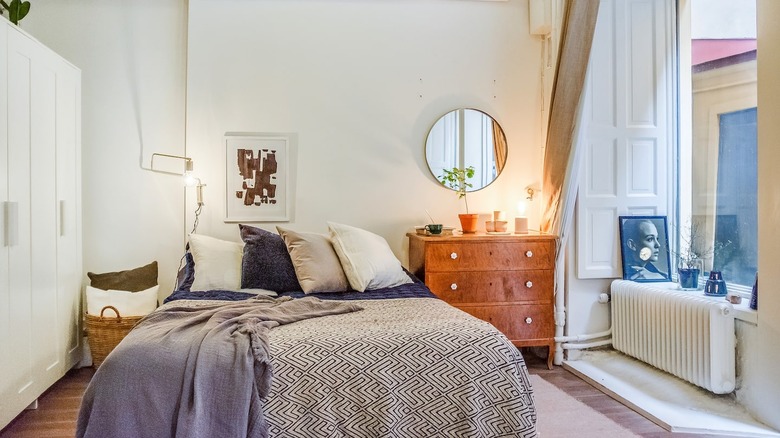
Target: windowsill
(742,311)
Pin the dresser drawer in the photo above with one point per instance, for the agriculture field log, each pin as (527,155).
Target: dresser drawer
(521,323)
(497,286)
(489,256)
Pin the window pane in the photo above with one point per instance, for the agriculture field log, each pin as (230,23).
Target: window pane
(736,205)
(718,193)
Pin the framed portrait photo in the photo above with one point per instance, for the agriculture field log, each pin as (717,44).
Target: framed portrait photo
(257,177)
(644,247)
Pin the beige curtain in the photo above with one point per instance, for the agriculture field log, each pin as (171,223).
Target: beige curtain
(558,181)
(499,147)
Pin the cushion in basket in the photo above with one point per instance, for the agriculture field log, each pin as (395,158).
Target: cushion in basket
(217,263)
(127,303)
(316,264)
(132,280)
(267,264)
(367,259)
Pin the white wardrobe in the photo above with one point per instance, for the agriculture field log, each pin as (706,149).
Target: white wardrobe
(40,219)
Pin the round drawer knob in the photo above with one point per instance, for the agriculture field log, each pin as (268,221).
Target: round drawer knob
(528,320)
(454,286)
(454,255)
(529,253)
(529,284)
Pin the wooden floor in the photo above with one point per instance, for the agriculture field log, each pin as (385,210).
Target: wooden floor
(58,407)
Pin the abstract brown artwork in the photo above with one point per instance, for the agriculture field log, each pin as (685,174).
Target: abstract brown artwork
(258,174)
(257,177)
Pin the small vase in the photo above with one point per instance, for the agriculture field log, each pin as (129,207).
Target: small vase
(716,286)
(468,222)
(688,274)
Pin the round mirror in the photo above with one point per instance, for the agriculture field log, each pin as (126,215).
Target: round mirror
(466,138)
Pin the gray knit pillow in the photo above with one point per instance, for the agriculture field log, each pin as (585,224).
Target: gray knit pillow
(266,263)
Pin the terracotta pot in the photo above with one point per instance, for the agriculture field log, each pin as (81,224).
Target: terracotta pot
(468,222)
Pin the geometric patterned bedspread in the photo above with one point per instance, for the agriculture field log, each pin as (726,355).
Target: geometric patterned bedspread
(412,367)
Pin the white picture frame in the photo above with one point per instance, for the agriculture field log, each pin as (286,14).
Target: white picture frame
(257,177)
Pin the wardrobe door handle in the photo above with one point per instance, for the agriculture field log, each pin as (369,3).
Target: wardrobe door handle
(11,213)
(62,218)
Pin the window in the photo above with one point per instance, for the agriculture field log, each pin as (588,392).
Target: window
(718,199)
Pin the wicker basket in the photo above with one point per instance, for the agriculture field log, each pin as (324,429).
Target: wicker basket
(105,333)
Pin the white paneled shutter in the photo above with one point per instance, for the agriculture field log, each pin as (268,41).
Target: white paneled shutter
(629,129)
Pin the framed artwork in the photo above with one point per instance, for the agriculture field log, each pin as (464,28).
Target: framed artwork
(257,177)
(644,246)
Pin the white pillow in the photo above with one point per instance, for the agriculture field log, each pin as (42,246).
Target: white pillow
(367,259)
(127,303)
(217,263)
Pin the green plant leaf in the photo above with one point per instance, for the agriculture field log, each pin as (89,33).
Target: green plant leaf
(17,10)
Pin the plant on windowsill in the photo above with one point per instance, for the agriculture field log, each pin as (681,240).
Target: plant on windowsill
(456,179)
(692,253)
(17,10)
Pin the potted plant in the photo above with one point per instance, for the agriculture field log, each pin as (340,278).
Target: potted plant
(17,9)
(456,179)
(691,255)
(689,267)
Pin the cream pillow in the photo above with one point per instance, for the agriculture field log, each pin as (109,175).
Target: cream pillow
(126,302)
(367,259)
(217,263)
(315,261)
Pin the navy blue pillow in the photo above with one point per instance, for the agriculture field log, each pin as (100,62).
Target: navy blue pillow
(186,274)
(266,264)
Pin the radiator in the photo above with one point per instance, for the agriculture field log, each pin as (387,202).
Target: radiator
(682,333)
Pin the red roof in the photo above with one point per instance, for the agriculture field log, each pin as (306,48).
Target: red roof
(709,50)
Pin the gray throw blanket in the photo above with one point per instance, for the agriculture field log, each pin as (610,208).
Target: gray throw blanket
(193,371)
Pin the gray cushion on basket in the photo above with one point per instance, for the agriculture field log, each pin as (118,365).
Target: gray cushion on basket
(133,280)
(266,263)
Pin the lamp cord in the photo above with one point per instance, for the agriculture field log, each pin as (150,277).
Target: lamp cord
(197,217)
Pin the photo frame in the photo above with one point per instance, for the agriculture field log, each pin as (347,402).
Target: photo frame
(257,177)
(644,248)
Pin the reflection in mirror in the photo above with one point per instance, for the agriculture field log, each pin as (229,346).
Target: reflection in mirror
(463,138)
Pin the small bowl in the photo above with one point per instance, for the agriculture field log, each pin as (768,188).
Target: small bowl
(500,226)
(734,299)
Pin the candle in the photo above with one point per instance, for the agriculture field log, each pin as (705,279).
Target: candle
(521,225)
(521,222)
(499,215)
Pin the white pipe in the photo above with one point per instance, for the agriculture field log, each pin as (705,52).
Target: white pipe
(560,307)
(588,345)
(579,338)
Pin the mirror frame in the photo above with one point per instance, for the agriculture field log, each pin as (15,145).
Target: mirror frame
(498,168)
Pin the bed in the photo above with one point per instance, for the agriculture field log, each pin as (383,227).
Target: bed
(388,362)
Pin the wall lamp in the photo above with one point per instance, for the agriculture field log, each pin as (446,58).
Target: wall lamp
(189,180)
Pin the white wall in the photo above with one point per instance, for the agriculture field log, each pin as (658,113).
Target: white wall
(723,19)
(361,83)
(764,400)
(131,54)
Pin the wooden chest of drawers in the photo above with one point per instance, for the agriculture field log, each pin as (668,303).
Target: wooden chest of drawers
(505,280)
